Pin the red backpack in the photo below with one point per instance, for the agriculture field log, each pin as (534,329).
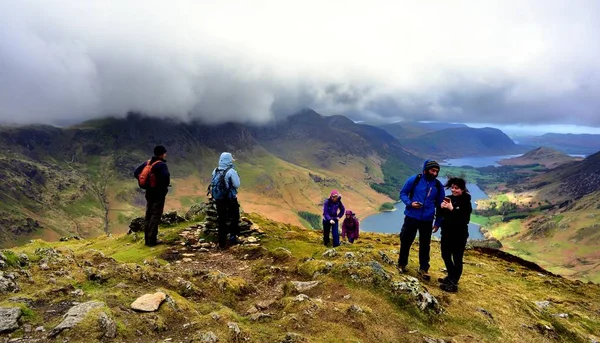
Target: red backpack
(147,179)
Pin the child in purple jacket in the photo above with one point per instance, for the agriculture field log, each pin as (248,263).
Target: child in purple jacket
(333,210)
(350,227)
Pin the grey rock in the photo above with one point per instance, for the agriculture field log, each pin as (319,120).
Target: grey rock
(40,329)
(485,312)
(7,283)
(412,286)
(563,315)
(9,318)
(74,316)
(302,286)
(260,316)
(301,298)
(349,255)
(542,305)
(209,337)
(107,325)
(355,309)
(385,258)
(330,253)
(235,329)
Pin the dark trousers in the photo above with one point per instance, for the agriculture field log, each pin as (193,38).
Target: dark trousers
(407,237)
(335,233)
(453,250)
(228,212)
(155,204)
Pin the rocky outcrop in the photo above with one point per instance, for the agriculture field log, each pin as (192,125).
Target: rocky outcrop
(75,315)
(149,302)
(9,318)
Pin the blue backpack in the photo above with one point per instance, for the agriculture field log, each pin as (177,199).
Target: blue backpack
(218,186)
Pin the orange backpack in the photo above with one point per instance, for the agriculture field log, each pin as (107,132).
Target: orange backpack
(147,179)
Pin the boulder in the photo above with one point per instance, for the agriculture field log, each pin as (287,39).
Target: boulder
(209,337)
(9,318)
(149,302)
(74,316)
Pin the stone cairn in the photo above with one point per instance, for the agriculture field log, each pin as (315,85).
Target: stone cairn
(205,219)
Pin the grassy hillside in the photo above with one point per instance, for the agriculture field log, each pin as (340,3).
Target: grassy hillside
(246,293)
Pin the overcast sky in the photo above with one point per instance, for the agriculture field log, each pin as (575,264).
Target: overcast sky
(505,62)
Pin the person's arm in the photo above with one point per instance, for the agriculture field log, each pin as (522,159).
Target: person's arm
(325,212)
(342,210)
(234,178)
(344,229)
(162,171)
(438,205)
(466,210)
(357,227)
(406,190)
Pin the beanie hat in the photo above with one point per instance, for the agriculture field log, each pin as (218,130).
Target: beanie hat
(159,150)
(432,164)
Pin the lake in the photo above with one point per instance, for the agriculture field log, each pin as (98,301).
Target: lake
(476,162)
(391,222)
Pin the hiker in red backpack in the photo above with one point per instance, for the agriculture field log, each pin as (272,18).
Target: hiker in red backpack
(153,176)
(350,227)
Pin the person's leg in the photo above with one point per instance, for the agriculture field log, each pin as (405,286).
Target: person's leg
(407,237)
(147,218)
(222,220)
(326,229)
(158,205)
(335,233)
(351,239)
(233,210)
(446,248)
(425,229)
(458,252)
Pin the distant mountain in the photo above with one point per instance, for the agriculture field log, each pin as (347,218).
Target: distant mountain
(568,181)
(462,142)
(547,157)
(403,130)
(286,167)
(568,143)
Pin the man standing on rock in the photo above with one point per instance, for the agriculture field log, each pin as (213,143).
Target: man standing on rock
(153,175)
(223,188)
(422,195)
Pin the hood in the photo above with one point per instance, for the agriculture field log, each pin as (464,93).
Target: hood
(226,160)
(349,212)
(335,192)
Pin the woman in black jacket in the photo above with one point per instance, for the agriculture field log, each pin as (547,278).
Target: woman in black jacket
(456,213)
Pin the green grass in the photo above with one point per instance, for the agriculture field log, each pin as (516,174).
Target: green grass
(388,206)
(313,220)
(504,230)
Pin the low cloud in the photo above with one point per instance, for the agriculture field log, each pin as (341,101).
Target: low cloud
(253,62)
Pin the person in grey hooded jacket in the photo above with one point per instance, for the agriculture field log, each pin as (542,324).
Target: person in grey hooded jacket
(224,187)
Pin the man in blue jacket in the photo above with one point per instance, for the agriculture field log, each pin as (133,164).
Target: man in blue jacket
(422,195)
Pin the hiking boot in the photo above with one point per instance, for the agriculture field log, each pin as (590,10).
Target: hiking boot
(402,269)
(424,275)
(233,240)
(444,280)
(449,287)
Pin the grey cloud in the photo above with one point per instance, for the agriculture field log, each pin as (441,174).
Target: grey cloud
(57,69)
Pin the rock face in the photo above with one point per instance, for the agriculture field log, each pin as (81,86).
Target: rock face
(9,318)
(107,325)
(149,302)
(75,315)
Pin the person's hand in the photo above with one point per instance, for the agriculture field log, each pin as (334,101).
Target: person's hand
(435,229)
(331,221)
(416,204)
(444,204)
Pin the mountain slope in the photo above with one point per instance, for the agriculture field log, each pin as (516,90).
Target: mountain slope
(288,167)
(547,157)
(559,213)
(403,130)
(248,293)
(568,143)
(460,142)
